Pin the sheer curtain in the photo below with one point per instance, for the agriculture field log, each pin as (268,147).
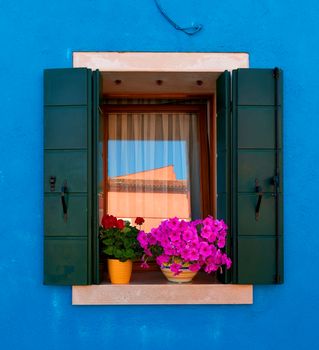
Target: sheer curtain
(152,166)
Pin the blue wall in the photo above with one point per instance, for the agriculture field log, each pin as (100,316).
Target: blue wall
(43,34)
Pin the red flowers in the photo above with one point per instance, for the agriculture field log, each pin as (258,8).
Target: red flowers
(139,221)
(120,224)
(109,221)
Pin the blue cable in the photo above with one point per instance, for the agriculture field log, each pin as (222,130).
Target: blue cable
(195,28)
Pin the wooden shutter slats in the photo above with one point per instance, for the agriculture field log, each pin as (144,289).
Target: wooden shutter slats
(67,157)
(256,149)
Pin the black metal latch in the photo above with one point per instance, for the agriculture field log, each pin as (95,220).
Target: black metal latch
(259,191)
(64,192)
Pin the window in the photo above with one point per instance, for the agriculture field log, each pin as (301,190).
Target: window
(155,162)
(248,168)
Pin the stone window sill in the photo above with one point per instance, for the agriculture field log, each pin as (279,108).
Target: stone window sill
(150,288)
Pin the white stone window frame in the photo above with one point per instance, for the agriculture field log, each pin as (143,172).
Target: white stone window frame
(152,294)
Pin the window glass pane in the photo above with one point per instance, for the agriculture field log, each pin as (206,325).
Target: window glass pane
(152,166)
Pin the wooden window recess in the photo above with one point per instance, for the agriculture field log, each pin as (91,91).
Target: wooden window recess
(207,143)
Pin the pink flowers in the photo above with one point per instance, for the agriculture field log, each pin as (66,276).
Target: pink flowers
(205,249)
(195,244)
(160,260)
(176,268)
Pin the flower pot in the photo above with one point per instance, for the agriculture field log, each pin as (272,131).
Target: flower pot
(119,272)
(185,276)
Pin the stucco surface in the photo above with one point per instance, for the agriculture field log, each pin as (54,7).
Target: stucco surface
(43,34)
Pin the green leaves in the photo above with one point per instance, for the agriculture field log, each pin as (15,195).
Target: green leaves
(126,229)
(129,253)
(108,241)
(121,244)
(109,250)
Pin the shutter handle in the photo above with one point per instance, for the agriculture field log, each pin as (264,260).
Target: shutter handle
(259,191)
(64,192)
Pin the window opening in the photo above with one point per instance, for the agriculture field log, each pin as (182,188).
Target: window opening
(156,161)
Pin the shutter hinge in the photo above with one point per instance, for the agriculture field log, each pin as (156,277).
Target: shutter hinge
(277,279)
(275,180)
(276,73)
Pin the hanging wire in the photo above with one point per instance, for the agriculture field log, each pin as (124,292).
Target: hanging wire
(195,28)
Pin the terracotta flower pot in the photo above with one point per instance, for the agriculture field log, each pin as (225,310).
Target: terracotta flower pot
(183,277)
(119,272)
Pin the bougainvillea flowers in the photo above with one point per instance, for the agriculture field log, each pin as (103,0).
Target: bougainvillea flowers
(196,244)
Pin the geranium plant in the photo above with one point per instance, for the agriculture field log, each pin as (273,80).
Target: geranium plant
(119,239)
(179,243)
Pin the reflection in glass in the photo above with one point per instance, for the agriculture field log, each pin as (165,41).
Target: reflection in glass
(152,167)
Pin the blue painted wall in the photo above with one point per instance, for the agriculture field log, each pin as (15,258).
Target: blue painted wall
(43,34)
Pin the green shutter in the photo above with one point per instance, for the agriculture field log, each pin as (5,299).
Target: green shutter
(68,158)
(97,176)
(223,88)
(257,156)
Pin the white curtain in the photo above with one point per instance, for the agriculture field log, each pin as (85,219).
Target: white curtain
(152,166)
